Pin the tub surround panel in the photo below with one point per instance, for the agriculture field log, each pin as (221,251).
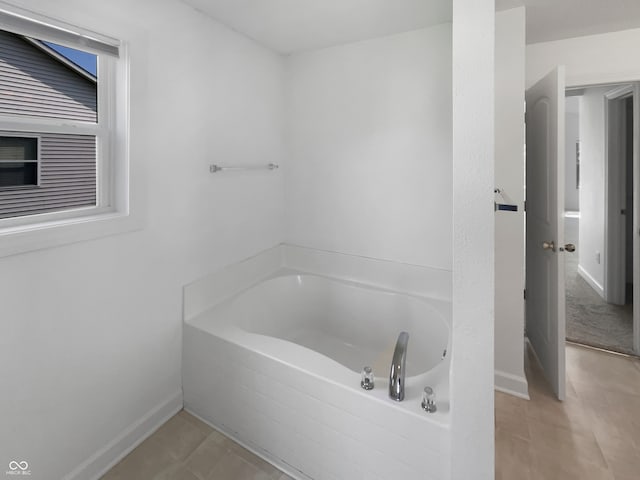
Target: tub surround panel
(206,292)
(412,279)
(403,277)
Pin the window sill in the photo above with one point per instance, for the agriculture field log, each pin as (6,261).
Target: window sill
(49,234)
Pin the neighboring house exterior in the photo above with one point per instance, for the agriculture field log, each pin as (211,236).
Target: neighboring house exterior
(35,81)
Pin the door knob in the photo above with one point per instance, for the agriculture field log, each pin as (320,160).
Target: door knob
(569,247)
(549,246)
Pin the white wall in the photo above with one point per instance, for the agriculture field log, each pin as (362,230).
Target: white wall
(592,188)
(595,59)
(472,361)
(370,147)
(572,135)
(91,332)
(509,226)
(370,174)
(629,204)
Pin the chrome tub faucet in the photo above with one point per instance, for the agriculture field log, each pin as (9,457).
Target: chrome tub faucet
(397,372)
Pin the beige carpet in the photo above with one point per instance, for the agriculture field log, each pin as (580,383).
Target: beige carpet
(590,320)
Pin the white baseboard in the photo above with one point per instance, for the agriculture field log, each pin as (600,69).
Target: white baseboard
(512,384)
(104,459)
(591,281)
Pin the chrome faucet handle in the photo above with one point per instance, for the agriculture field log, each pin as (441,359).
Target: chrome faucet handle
(367,378)
(429,400)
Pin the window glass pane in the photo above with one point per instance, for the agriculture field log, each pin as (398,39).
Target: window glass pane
(63,178)
(41,79)
(18,148)
(18,174)
(85,60)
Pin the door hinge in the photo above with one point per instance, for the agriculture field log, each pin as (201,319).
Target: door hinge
(525,205)
(525,293)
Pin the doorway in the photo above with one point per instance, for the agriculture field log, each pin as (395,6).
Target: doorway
(599,213)
(600,222)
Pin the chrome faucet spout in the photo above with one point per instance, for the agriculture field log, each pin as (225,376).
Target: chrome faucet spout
(397,372)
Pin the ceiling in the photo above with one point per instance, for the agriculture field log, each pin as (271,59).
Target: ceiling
(289,26)
(558,19)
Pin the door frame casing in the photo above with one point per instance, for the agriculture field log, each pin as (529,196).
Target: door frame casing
(636,218)
(614,258)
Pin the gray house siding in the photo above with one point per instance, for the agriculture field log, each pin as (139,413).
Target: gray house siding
(34,83)
(67,178)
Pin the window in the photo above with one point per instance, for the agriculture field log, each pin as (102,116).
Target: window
(45,89)
(63,130)
(18,162)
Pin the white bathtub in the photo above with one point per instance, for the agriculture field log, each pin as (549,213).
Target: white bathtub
(277,367)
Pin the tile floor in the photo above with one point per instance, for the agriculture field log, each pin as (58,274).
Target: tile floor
(184,448)
(593,435)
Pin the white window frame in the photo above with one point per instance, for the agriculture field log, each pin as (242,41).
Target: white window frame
(113,212)
(37,161)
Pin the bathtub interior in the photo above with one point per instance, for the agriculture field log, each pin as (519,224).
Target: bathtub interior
(347,322)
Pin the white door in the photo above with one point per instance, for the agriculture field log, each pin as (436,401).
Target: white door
(545,300)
